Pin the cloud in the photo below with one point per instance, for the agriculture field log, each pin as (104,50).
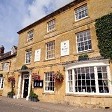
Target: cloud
(40,8)
(16,14)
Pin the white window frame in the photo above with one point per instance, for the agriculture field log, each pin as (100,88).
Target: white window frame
(88,38)
(48,91)
(27,51)
(82,9)
(30,35)
(5,66)
(95,63)
(53,50)
(1,82)
(51,25)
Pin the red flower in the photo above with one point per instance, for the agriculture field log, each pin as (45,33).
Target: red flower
(11,79)
(35,76)
(58,76)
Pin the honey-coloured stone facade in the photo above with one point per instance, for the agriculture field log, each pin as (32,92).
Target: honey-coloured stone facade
(66,28)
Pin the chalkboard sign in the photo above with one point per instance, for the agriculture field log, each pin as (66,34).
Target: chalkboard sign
(38,84)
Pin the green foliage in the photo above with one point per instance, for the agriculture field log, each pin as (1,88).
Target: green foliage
(104,35)
(24,67)
(83,57)
(10,94)
(33,96)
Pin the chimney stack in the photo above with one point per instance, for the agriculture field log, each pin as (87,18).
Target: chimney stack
(2,50)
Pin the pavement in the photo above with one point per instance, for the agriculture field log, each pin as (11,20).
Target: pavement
(21,105)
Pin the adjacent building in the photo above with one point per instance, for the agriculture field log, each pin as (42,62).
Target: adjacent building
(65,42)
(7,67)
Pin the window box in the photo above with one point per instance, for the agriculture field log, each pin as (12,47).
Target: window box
(83,57)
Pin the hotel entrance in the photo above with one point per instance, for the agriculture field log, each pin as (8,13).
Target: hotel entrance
(25,85)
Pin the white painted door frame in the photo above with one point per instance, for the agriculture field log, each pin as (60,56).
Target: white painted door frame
(21,83)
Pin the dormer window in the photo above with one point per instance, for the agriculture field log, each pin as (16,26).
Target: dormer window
(30,35)
(51,25)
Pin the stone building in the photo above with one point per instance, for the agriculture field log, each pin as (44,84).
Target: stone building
(7,67)
(61,51)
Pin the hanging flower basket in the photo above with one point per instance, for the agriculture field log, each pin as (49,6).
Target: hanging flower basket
(35,76)
(58,76)
(11,79)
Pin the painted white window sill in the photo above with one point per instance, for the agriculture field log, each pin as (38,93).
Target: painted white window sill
(50,31)
(27,63)
(84,52)
(49,59)
(77,20)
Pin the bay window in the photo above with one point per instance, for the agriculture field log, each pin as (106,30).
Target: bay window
(93,79)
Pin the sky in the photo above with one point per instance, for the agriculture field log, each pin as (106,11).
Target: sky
(17,14)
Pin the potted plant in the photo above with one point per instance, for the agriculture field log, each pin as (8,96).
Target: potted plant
(58,76)
(11,79)
(10,94)
(33,97)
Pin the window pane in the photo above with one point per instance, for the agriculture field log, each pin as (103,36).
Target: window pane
(84,41)
(81,12)
(102,79)
(28,56)
(51,25)
(85,79)
(49,81)
(1,82)
(30,35)
(70,81)
(50,50)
